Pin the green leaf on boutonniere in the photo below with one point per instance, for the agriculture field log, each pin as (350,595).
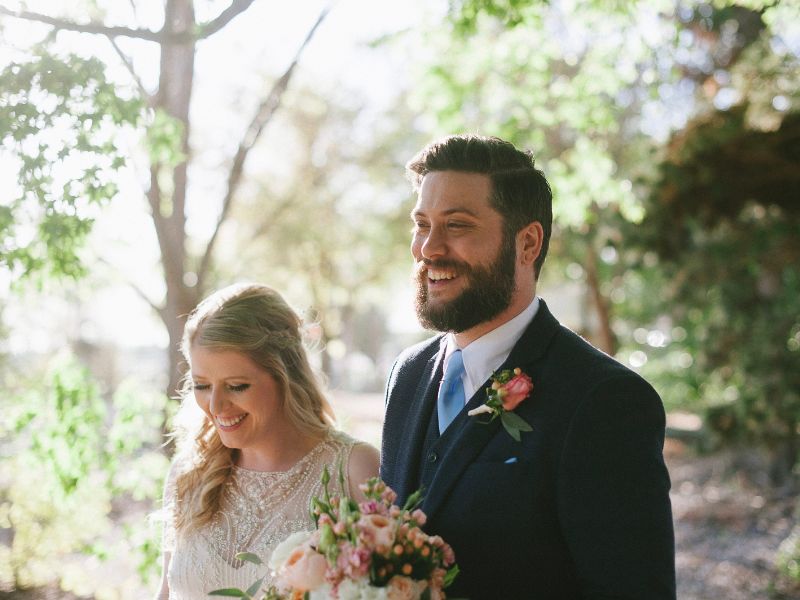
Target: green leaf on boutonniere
(514,424)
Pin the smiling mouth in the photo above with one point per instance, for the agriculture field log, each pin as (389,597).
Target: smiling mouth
(440,274)
(227,423)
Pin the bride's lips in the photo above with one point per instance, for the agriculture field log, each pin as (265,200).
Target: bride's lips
(230,423)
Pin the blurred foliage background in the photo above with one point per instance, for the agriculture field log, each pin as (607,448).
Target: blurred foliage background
(150,155)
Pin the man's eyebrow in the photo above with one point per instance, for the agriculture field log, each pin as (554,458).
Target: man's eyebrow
(448,212)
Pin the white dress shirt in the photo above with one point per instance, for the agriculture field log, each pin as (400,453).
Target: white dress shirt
(484,356)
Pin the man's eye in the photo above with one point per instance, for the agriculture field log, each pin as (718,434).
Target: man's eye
(199,387)
(420,225)
(239,387)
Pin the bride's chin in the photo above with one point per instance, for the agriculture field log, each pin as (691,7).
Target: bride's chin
(229,443)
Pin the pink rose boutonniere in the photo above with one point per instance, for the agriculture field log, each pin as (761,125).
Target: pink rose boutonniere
(508,389)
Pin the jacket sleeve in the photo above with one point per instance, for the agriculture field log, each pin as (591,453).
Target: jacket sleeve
(613,493)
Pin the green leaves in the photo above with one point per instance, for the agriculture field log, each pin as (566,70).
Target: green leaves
(249,557)
(514,424)
(58,119)
(230,593)
(251,592)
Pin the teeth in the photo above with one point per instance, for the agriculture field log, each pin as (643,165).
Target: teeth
(439,275)
(226,422)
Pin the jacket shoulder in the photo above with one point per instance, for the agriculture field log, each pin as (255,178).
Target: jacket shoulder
(414,357)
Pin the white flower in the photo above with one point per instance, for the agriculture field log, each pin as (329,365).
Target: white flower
(360,590)
(324,592)
(483,408)
(286,547)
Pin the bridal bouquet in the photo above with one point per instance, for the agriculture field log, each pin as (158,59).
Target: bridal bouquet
(374,550)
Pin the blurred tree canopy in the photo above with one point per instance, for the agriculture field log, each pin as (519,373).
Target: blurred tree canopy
(695,240)
(84,98)
(724,218)
(60,177)
(356,242)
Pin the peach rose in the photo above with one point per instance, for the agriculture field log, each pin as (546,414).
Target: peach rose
(404,588)
(516,390)
(379,530)
(304,569)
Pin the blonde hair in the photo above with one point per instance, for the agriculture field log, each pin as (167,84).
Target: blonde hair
(255,320)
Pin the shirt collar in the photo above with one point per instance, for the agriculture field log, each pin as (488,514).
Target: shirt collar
(483,356)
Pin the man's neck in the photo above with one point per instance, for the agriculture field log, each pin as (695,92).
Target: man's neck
(464,338)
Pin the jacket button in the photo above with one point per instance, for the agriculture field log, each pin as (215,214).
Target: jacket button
(433,457)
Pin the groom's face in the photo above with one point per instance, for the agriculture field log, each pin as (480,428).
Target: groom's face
(465,265)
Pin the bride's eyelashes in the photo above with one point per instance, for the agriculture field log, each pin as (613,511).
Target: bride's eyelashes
(239,387)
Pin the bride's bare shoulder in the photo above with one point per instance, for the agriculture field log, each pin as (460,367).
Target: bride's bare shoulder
(364,463)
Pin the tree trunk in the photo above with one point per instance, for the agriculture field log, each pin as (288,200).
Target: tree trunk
(174,97)
(606,339)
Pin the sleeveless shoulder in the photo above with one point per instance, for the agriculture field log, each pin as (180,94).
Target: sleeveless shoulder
(334,452)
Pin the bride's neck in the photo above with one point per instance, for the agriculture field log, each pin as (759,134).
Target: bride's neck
(278,454)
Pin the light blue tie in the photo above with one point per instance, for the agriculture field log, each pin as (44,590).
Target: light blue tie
(451,391)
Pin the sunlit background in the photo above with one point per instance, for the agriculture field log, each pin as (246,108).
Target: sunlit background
(668,129)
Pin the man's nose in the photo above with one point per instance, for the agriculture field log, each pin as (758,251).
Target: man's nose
(433,245)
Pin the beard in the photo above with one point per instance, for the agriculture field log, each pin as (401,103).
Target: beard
(487,293)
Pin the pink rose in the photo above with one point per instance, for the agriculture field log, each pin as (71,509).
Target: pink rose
(377,530)
(304,569)
(353,561)
(404,588)
(516,390)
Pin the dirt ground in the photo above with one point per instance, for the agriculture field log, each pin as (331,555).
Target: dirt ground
(728,526)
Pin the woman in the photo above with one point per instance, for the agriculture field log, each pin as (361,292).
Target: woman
(244,476)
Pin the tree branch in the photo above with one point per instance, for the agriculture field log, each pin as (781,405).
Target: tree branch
(142,34)
(236,8)
(159,310)
(264,114)
(129,65)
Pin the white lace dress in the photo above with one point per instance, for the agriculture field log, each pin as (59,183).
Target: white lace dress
(259,510)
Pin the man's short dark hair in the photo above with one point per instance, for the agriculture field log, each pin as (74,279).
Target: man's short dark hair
(520,192)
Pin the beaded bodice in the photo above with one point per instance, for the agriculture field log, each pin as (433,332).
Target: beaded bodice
(258,511)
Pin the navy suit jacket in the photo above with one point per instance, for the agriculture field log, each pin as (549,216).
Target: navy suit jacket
(578,509)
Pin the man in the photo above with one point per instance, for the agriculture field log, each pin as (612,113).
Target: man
(579,506)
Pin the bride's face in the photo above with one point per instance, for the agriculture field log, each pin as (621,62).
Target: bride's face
(239,397)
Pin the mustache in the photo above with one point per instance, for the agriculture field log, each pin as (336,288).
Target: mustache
(452,265)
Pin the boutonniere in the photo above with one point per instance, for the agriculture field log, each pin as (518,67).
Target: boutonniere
(508,389)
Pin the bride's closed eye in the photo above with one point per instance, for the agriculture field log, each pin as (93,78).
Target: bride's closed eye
(239,387)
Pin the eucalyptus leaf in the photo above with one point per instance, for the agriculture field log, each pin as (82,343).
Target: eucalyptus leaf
(249,557)
(253,589)
(450,576)
(230,593)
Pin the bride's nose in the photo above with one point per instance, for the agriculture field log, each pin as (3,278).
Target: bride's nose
(219,400)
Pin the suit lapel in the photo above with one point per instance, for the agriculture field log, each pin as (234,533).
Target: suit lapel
(473,436)
(416,424)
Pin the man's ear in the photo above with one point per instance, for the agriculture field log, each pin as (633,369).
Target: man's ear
(529,242)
